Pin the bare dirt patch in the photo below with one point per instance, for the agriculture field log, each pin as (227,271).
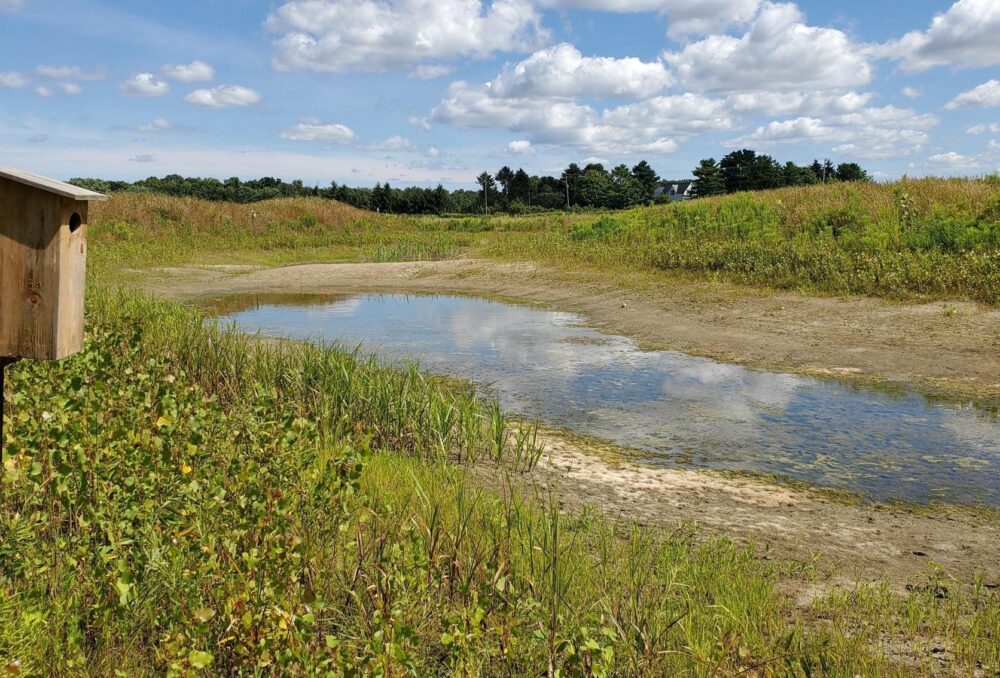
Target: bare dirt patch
(855,542)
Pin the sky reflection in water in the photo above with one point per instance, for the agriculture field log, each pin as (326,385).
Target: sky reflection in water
(689,411)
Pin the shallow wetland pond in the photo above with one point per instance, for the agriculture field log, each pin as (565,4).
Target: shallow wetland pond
(682,410)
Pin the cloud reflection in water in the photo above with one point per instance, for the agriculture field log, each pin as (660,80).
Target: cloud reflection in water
(686,410)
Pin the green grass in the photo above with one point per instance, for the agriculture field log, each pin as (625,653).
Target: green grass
(176,499)
(136,230)
(927,238)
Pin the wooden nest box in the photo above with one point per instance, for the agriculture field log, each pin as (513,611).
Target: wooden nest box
(43,265)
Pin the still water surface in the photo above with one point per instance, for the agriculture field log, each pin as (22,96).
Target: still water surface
(683,410)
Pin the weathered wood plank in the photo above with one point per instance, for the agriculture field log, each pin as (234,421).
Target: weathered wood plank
(50,185)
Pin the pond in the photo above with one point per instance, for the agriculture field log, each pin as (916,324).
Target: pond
(680,409)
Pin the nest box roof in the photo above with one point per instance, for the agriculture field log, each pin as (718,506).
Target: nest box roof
(50,185)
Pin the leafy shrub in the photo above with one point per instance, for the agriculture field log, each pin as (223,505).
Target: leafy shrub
(308,221)
(840,221)
(470,225)
(603,228)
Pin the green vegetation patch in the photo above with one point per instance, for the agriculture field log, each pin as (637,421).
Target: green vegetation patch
(177,499)
(930,238)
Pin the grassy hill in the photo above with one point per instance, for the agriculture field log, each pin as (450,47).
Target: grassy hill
(928,237)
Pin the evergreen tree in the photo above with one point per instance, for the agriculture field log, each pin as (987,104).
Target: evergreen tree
(504,177)
(794,175)
(817,170)
(708,179)
(626,189)
(380,200)
(647,178)
(520,187)
(440,199)
(738,170)
(765,173)
(595,187)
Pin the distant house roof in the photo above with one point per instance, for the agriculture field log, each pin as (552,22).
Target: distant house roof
(50,185)
(674,189)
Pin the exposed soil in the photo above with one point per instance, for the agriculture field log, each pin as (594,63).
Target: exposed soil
(951,348)
(856,542)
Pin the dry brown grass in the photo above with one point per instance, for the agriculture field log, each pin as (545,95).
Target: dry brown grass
(159,213)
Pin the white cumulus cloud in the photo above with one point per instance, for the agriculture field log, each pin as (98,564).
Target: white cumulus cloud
(986,95)
(649,126)
(311,129)
(563,72)
(798,103)
(144,85)
(520,147)
(779,52)
(378,35)
(991,128)
(224,96)
(158,125)
(954,160)
(69,88)
(684,17)
(196,71)
(542,98)
(871,133)
(964,36)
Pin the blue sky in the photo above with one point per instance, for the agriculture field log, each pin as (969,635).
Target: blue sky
(428,91)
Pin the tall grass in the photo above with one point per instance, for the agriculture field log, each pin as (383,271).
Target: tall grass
(178,499)
(931,237)
(926,237)
(138,229)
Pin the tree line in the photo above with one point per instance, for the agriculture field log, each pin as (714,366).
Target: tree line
(746,170)
(508,190)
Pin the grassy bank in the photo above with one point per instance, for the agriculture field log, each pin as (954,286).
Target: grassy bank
(927,238)
(137,230)
(179,500)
